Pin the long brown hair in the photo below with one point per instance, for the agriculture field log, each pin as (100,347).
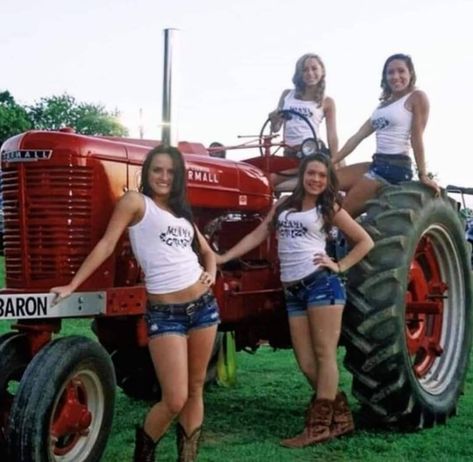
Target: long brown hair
(326,201)
(177,201)
(386,90)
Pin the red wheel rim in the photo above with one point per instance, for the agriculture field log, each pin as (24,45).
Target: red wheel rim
(424,308)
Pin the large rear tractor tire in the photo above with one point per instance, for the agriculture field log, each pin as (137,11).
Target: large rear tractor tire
(408,322)
(63,409)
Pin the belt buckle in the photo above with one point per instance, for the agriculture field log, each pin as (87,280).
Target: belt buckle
(295,288)
(190,309)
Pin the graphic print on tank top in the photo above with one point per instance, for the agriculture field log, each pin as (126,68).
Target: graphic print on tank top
(380,123)
(303,110)
(176,236)
(292,229)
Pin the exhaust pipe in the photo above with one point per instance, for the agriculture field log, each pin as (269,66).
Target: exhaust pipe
(169,115)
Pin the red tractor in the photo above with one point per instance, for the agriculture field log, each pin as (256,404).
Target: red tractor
(407,326)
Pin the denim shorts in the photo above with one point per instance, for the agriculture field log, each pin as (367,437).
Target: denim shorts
(180,318)
(321,288)
(391,168)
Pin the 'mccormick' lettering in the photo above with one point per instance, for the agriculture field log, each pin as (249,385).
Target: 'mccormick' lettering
(21,307)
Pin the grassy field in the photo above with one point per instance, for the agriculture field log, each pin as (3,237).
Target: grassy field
(245,422)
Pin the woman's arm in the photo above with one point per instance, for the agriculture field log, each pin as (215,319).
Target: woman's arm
(276,119)
(331,124)
(358,237)
(420,115)
(125,212)
(362,243)
(352,142)
(251,240)
(208,259)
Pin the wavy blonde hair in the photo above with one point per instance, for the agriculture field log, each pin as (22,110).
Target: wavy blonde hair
(298,80)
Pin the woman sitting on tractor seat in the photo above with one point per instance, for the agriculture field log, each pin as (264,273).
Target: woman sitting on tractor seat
(308,99)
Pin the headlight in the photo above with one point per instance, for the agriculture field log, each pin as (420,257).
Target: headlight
(308,147)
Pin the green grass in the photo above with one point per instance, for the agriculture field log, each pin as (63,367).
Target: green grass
(246,422)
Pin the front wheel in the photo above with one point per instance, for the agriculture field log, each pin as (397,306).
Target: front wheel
(63,409)
(408,323)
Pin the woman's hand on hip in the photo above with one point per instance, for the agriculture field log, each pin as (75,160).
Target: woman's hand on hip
(323,260)
(207,279)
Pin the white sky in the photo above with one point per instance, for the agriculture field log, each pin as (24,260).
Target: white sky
(236,58)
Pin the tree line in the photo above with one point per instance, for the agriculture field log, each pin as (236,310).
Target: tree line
(55,112)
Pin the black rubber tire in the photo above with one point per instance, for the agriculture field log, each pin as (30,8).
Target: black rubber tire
(14,357)
(37,399)
(135,373)
(374,330)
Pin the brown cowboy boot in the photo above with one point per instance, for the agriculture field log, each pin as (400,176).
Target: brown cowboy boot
(317,428)
(342,418)
(306,416)
(145,446)
(187,446)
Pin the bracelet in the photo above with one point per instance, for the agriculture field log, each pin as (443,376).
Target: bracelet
(339,268)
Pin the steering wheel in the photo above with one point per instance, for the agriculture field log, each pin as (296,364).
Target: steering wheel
(269,147)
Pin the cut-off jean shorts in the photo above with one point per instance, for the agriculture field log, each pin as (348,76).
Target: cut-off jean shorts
(391,168)
(320,288)
(180,318)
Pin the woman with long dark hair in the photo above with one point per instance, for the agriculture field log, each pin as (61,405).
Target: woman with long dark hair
(314,292)
(182,314)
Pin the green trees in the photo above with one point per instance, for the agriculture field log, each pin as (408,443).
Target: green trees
(14,118)
(55,112)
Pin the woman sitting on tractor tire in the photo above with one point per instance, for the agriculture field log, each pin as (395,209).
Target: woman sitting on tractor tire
(399,122)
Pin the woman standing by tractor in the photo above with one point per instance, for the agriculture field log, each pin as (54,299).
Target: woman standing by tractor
(182,314)
(307,99)
(399,122)
(314,293)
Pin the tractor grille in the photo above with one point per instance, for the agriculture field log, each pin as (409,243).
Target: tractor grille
(47,222)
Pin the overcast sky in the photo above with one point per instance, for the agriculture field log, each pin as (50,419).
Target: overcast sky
(236,58)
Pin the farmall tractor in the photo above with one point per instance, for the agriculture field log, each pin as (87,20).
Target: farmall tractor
(407,326)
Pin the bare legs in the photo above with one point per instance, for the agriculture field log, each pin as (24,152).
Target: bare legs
(284,182)
(200,345)
(325,324)
(315,339)
(180,365)
(303,351)
(358,187)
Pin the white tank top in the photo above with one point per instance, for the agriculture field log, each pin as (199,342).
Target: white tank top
(393,127)
(296,130)
(162,245)
(300,236)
